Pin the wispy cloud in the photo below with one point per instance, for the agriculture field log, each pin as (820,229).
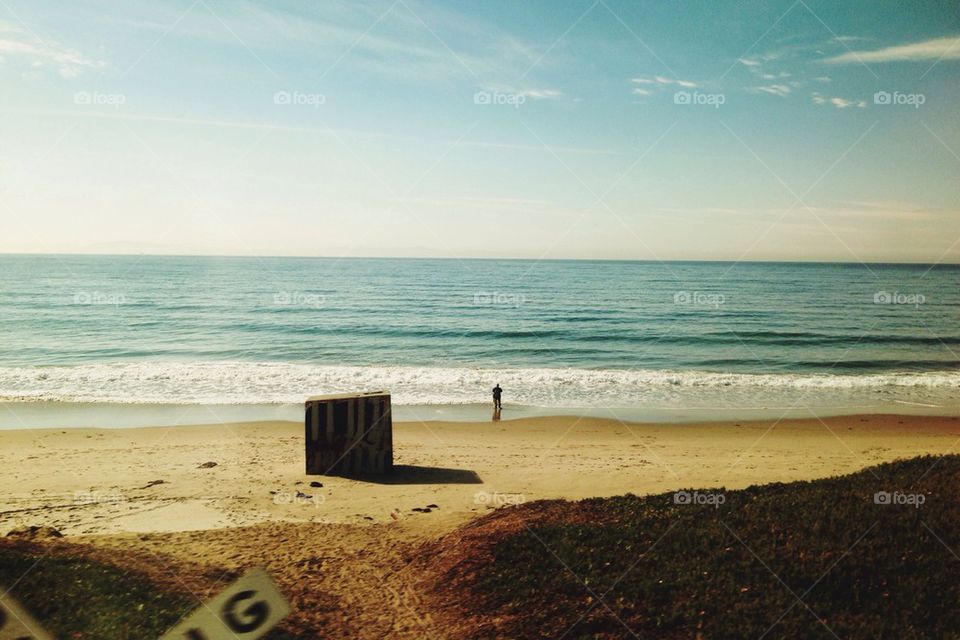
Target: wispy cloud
(839,103)
(543,94)
(781,90)
(661,81)
(846,39)
(770,76)
(843,103)
(935,49)
(884,211)
(403,41)
(32,53)
(776,82)
(490,204)
(533,93)
(648,85)
(271,127)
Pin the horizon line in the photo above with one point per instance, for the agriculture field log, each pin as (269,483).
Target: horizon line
(488,258)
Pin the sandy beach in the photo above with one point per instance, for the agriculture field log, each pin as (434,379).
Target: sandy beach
(105,481)
(149,499)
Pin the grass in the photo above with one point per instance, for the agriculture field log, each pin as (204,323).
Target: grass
(77,599)
(801,560)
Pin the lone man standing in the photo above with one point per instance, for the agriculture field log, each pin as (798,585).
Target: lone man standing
(497,391)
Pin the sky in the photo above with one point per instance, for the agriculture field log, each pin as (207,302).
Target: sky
(551,129)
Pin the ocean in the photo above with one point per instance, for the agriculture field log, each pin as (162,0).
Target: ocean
(639,339)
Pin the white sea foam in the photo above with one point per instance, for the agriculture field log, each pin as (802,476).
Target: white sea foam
(265,383)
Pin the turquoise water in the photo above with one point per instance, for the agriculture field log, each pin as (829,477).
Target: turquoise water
(196,330)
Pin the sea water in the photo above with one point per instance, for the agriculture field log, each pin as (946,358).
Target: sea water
(624,338)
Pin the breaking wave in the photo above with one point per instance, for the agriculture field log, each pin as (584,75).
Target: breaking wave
(276,382)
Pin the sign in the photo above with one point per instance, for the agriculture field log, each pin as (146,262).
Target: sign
(17,624)
(245,610)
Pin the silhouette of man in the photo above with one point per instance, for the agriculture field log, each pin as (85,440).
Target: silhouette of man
(497,391)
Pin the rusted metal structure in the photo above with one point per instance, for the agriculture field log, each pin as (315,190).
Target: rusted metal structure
(349,434)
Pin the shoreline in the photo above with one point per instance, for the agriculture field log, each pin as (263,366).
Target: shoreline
(46,414)
(90,481)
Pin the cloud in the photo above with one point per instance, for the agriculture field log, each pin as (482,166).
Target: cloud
(532,93)
(935,49)
(661,81)
(279,128)
(489,204)
(758,67)
(849,38)
(882,210)
(402,41)
(781,90)
(542,94)
(650,85)
(843,103)
(35,53)
(839,103)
